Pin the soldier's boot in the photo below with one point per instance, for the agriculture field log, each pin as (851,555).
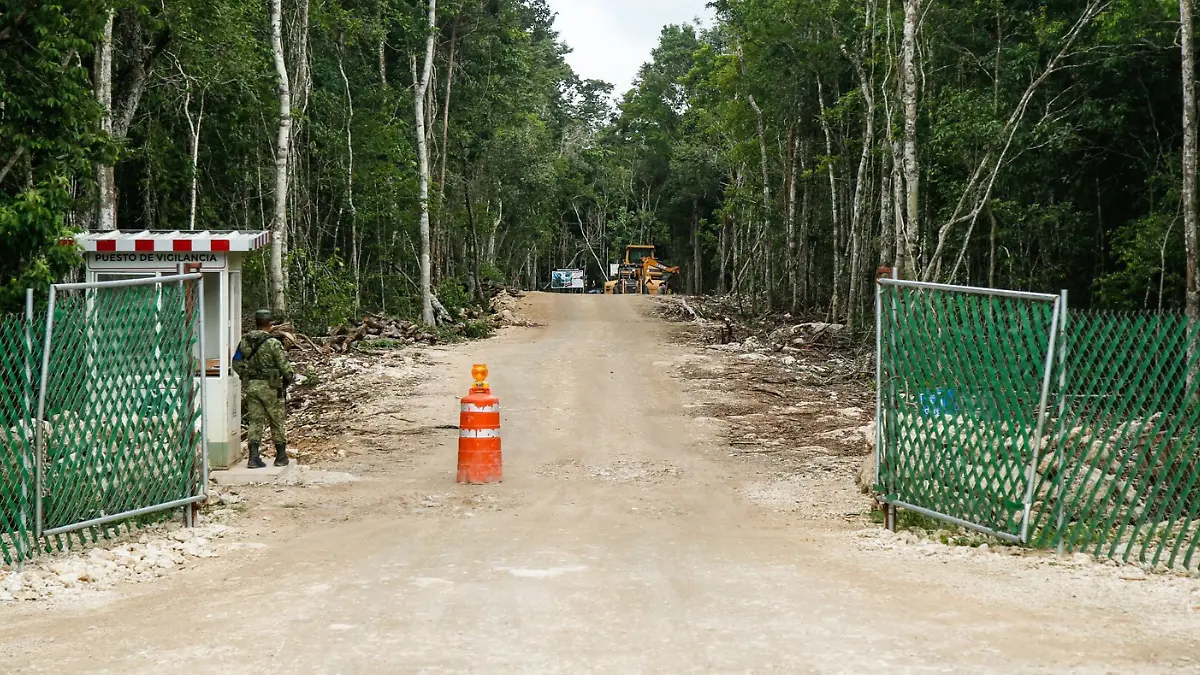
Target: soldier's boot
(281,458)
(255,461)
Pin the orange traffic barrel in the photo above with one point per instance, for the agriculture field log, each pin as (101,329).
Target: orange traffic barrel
(479,433)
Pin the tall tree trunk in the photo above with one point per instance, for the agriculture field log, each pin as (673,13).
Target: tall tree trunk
(790,213)
(148,198)
(194,127)
(106,215)
(858,221)
(382,43)
(735,280)
(912,169)
(1189,155)
(383,76)
(303,85)
(477,285)
(492,236)
(278,284)
(697,254)
(835,308)
(853,274)
(438,233)
(423,165)
(737,239)
(804,253)
(887,240)
(992,250)
(903,248)
(303,202)
(120,105)
(766,194)
(140,55)
(726,234)
(446,109)
(355,253)
(906,247)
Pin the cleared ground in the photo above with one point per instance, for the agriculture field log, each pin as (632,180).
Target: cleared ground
(627,537)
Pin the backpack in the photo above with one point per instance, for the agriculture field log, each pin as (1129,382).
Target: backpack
(257,364)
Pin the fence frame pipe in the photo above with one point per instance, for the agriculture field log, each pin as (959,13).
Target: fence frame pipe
(878,376)
(973,290)
(1040,432)
(1062,408)
(28,431)
(40,437)
(203,397)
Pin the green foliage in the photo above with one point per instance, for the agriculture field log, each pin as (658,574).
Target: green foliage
(326,296)
(49,134)
(312,379)
(534,168)
(31,224)
(490,272)
(381,345)
(454,295)
(477,330)
(1151,265)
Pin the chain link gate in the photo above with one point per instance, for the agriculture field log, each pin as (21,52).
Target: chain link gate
(121,398)
(964,378)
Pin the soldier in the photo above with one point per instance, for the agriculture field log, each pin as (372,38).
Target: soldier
(265,372)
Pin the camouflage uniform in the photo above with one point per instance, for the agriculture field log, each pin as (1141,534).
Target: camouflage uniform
(264,370)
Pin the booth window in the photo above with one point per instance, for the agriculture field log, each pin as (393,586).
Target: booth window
(216,357)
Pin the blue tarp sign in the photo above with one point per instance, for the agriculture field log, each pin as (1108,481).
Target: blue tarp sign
(937,402)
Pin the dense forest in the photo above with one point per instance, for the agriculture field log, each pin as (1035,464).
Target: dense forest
(784,152)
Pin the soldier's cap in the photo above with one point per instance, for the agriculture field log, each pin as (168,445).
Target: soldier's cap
(264,316)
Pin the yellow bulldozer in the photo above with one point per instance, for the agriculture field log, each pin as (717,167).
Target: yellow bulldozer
(641,273)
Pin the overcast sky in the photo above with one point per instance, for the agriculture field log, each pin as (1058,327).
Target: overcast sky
(611,39)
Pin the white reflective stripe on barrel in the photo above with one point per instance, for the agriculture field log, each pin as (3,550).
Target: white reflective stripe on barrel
(472,408)
(479,433)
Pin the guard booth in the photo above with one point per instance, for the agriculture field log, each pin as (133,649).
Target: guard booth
(122,254)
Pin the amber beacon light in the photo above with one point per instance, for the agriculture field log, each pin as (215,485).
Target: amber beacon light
(479,460)
(479,373)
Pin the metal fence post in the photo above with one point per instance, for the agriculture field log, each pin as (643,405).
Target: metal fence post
(892,405)
(23,552)
(194,306)
(203,398)
(1030,475)
(878,375)
(1062,406)
(40,444)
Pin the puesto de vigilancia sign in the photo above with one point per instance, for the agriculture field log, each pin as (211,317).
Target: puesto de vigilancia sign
(154,261)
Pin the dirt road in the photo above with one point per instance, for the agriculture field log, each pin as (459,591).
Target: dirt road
(622,540)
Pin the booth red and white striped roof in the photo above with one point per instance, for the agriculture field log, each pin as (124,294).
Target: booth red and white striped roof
(163,241)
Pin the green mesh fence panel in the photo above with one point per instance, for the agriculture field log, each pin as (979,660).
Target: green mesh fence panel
(1117,471)
(121,403)
(961,386)
(1121,474)
(20,355)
